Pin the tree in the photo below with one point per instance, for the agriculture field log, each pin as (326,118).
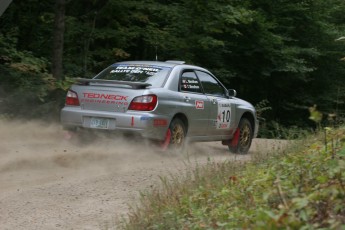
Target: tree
(280,50)
(58,39)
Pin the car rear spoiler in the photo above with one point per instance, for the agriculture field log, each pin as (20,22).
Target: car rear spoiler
(134,85)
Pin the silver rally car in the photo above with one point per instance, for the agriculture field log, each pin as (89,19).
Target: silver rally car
(169,102)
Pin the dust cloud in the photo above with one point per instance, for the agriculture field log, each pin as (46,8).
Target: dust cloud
(33,151)
(49,182)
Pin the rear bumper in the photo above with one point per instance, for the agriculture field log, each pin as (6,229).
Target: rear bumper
(148,125)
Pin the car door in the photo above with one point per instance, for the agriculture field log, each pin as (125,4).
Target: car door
(196,104)
(222,108)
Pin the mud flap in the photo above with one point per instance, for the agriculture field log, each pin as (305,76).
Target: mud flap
(235,139)
(165,144)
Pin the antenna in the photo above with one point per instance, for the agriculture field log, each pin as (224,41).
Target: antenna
(156,52)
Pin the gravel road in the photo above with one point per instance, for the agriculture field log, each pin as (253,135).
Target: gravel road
(47,182)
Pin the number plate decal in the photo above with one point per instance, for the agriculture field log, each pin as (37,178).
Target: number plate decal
(99,123)
(224,115)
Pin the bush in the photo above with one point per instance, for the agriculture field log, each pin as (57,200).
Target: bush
(302,188)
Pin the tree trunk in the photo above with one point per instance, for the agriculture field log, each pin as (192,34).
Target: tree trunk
(58,39)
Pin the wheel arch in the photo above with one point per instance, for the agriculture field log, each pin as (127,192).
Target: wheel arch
(250,118)
(183,118)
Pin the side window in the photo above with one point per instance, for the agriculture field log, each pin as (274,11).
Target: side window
(189,82)
(210,84)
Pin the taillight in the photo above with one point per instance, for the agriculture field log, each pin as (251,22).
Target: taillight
(144,103)
(72,98)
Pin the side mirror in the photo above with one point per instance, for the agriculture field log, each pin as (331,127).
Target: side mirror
(232,93)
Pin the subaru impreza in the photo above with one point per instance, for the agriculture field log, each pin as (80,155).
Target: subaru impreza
(168,102)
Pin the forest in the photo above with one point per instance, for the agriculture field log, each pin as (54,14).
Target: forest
(284,56)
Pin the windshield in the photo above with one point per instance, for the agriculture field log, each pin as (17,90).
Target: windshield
(154,75)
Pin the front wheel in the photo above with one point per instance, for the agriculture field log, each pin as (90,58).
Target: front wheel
(242,138)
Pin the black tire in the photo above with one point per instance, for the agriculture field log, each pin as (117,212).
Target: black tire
(245,138)
(177,134)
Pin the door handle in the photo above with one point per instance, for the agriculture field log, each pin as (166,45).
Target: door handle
(187,99)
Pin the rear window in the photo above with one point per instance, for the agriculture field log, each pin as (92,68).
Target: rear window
(154,75)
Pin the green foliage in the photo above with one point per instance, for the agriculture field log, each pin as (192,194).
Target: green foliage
(279,50)
(262,107)
(27,88)
(299,189)
(315,115)
(64,84)
(274,130)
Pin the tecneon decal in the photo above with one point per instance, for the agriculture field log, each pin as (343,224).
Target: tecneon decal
(105,96)
(199,104)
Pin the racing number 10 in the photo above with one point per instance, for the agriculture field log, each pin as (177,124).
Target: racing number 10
(226,115)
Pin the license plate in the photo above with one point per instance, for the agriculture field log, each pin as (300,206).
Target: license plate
(99,123)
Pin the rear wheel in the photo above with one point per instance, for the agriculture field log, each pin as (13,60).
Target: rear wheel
(242,139)
(175,136)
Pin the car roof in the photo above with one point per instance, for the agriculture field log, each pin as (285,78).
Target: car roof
(158,63)
(169,63)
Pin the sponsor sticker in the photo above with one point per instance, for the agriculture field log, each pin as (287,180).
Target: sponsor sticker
(105,96)
(146,118)
(199,104)
(148,70)
(118,103)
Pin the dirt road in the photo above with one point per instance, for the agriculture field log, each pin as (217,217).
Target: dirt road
(47,182)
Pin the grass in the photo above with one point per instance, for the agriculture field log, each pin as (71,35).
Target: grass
(300,188)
